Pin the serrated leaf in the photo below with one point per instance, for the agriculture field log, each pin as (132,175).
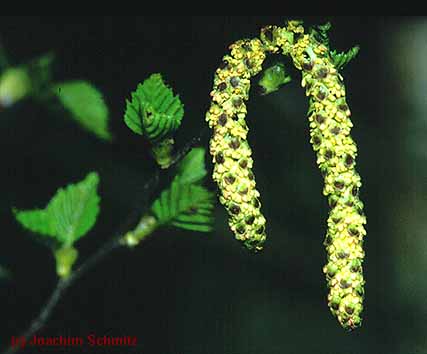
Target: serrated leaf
(86,105)
(69,215)
(132,117)
(188,206)
(153,110)
(74,209)
(192,167)
(343,58)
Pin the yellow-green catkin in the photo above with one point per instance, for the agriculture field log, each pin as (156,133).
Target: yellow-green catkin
(330,125)
(229,147)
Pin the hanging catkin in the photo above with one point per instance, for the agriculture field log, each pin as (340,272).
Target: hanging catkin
(330,125)
(229,146)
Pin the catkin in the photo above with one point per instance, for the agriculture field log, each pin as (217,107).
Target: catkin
(330,125)
(229,146)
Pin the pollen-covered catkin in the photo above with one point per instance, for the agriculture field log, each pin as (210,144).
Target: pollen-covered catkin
(330,124)
(229,146)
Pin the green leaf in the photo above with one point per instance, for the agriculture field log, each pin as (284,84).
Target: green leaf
(153,110)
(74,209)
(69,215)
(86,105)
(272,78)
(192,168)
(187,206)
(343,58)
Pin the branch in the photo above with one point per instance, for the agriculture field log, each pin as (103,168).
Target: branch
(145,227)
(63,284)
(179,155)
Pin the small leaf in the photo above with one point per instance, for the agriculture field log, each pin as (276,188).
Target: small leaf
(86,105)
(69,215)
(187,206)
(153,110)
(192,168)
(272,78)
(343,58)
(74,209)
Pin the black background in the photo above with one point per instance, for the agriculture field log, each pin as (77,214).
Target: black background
(186,292)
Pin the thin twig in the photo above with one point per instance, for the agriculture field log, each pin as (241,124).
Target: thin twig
(44,314)
(186,148)
(63,284)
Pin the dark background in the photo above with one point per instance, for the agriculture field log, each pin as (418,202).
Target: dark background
(186,292)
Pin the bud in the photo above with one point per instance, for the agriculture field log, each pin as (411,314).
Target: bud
(65,259)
